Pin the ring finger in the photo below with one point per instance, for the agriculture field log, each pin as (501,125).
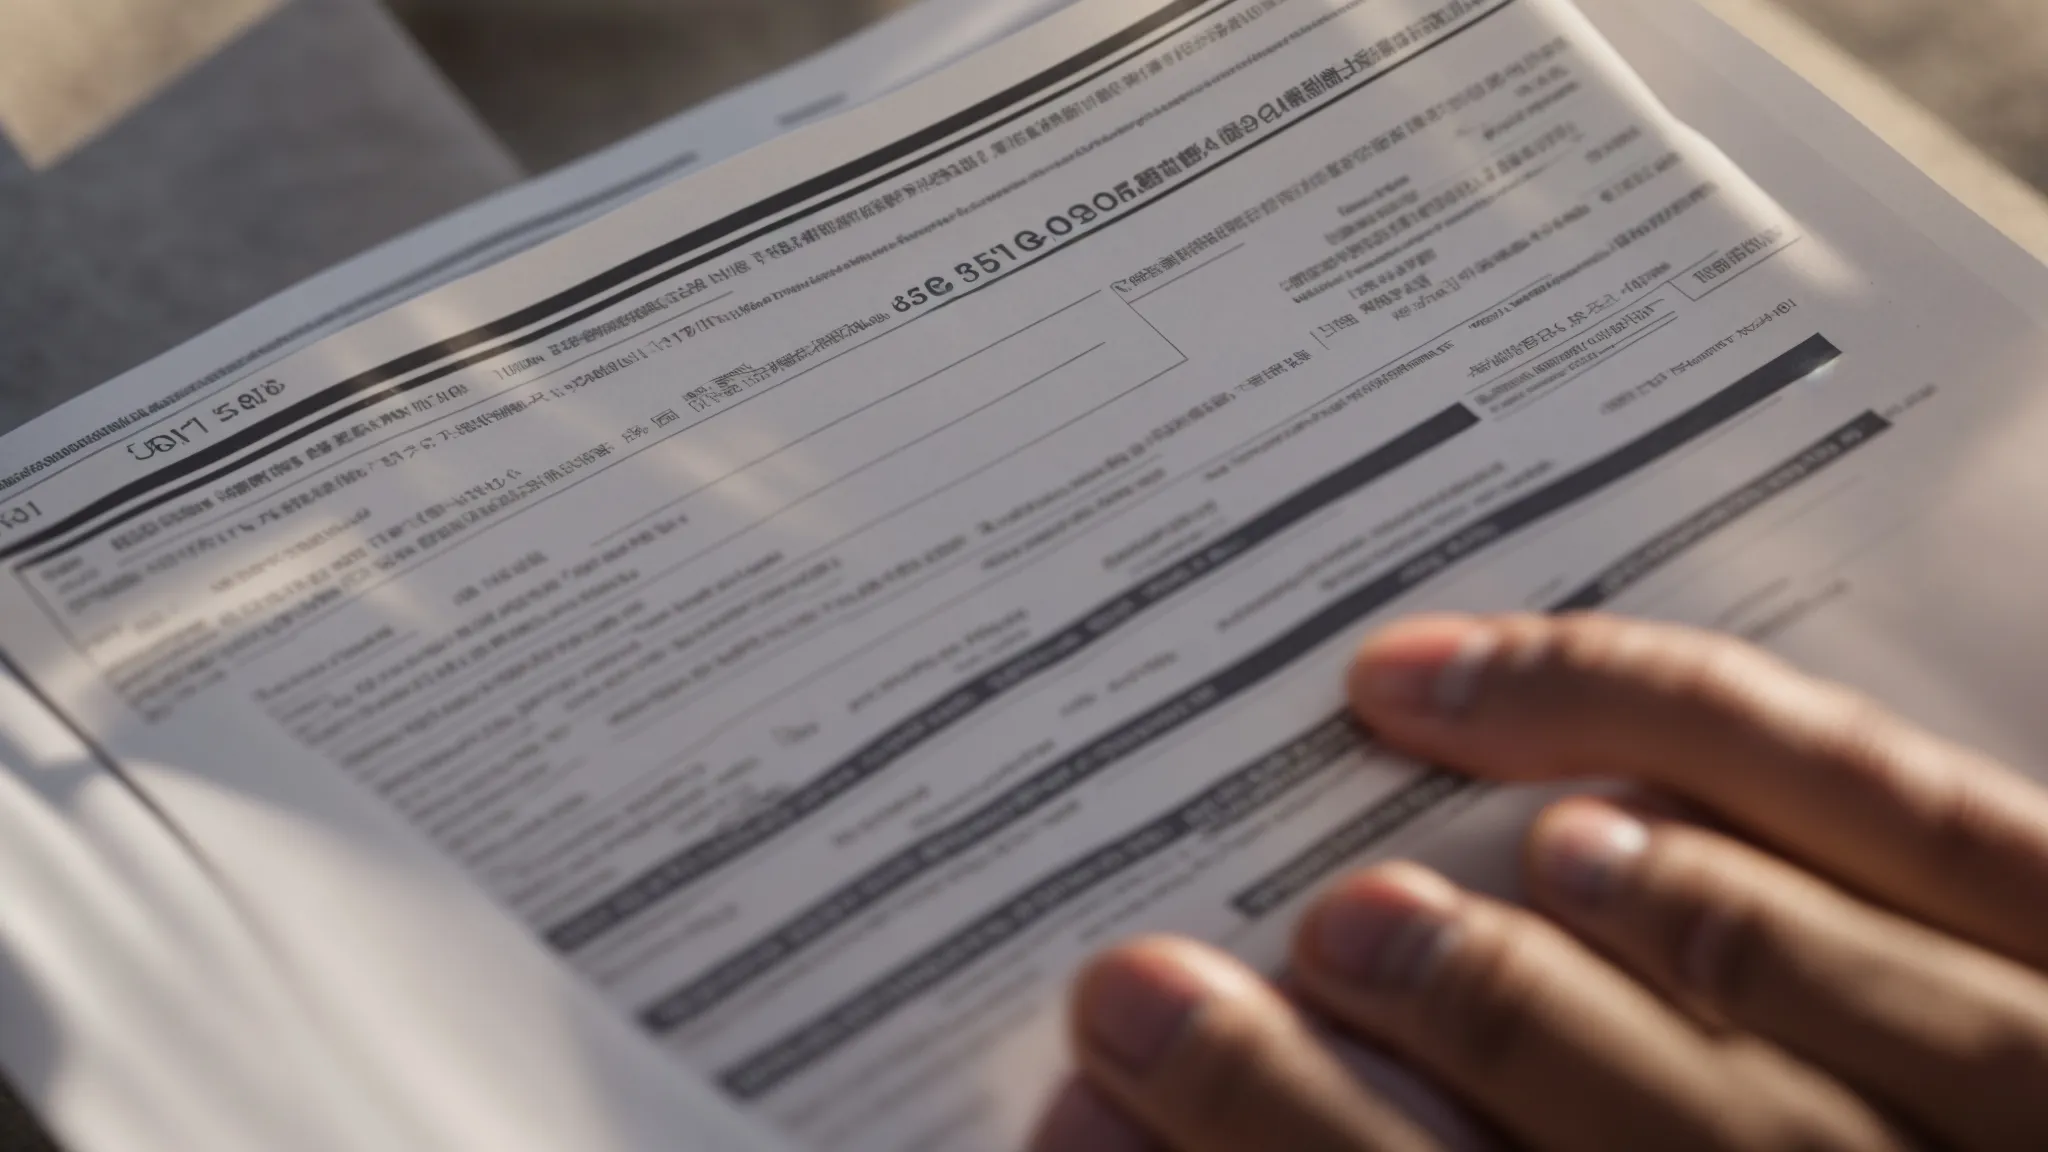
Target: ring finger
(1557,1045)
(1952,1035)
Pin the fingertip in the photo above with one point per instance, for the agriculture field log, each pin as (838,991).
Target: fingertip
(1244,1069)
(1382,931)
(1423,667)
(1133,1004)
(1412,881)
(1582,851)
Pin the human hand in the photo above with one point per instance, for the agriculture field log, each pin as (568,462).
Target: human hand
(1860,962)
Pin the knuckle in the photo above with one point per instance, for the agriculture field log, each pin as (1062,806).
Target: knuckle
(1962,823)
(1577,647)
(1970,831)
(1224,1086)
(1724,949)
(1256,1079)
(1709,685)
(1485,1008)
(1707,910)
(1685,867)
(1706,674)
(1600,652)
(1789,1127)
(1775,1103)
(1856,736)
(1865,746)
(1253,1077)
(1597,685)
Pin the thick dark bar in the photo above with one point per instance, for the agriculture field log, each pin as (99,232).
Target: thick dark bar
(700,859)
(1354,838)
(1696,529)
(1035,792)
(1228,802)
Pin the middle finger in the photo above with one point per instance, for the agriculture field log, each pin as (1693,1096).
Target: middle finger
(1558,1046)
(1818,773)
(1954,1036)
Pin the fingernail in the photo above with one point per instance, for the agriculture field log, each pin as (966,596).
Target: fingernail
(1389,933)
(1428,667)
(1080,1120)
(1133,1011)
(1585,852)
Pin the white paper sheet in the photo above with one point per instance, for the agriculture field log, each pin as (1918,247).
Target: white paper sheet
(819,609)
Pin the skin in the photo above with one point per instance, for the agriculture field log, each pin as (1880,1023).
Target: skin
(1847,948)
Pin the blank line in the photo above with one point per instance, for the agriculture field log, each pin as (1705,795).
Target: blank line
(659,509)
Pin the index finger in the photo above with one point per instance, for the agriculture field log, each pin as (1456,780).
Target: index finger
(1819,773)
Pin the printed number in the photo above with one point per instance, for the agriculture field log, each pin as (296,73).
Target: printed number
(924,294)
(985,264)
(227,411)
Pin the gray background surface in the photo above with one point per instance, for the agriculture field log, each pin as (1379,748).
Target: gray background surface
(318,134)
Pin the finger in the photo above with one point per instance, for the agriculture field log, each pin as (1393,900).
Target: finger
(1082,1120)
(1817,772)
(1954,1037)
(1208,1058)
(1557,1045)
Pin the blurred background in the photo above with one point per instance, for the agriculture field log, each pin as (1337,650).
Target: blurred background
(559,78)
(556,78)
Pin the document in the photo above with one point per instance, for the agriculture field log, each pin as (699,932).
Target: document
(823,601)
